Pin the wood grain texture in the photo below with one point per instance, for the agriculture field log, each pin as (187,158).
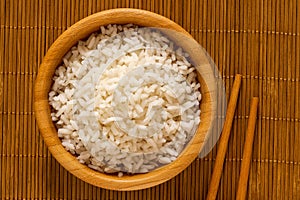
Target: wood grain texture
(81,30)
(258,39)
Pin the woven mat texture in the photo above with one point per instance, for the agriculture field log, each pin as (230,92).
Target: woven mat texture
(258,38)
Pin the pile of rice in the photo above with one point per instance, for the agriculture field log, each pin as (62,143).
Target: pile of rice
(125,100)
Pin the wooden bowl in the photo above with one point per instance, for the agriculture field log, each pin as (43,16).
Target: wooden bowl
(43,83)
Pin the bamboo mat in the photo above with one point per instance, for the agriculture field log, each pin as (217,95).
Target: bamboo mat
(259,39)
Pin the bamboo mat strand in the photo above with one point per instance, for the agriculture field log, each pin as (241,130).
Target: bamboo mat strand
(258,39)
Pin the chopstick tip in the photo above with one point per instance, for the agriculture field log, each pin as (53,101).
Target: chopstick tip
(238,76)
(255,99)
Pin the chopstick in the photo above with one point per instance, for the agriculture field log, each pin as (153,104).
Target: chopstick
(223,142)
(245,168)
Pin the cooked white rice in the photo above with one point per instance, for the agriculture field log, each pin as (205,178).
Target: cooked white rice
(125,100)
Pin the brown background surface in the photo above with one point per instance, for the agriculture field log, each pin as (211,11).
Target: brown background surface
(259,39)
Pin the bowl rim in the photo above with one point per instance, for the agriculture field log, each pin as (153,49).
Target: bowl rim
(53,58)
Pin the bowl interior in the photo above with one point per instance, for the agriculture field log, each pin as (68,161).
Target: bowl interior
(53,58)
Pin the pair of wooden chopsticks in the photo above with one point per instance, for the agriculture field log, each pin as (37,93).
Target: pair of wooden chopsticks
(223,144)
